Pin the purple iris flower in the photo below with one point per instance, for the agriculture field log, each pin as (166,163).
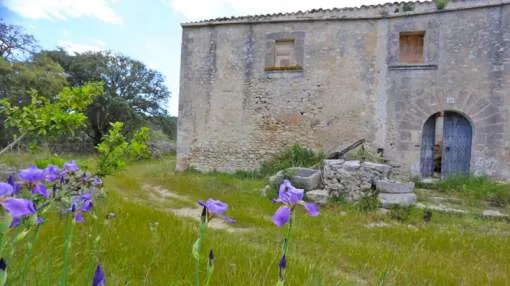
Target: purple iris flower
(97,182)
(80,205)
(32,175)
(18,207)
(290,197)
(283,262)
(41,190)
(11,182)
(6,189)
(51,173)
(215,208)
(99,278)
(71,167)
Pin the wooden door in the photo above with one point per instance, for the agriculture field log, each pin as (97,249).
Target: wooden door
(457,134)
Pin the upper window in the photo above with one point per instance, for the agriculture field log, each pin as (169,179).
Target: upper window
(411,47)
(284,53)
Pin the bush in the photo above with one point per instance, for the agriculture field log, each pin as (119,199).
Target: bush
(441,4)
(400,213)
(367,204)
(295,156)
(112,150)
(53,160)
(138,149)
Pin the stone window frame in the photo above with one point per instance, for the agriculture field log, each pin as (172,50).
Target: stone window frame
(430,28)
(272,38)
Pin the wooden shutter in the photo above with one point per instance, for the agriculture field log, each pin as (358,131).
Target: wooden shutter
(411,48)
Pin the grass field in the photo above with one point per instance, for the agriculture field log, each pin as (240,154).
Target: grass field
(147,244)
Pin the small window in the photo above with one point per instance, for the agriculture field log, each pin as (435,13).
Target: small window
(284,54)
(411,47)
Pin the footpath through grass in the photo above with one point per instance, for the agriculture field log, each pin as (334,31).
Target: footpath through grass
(146,244)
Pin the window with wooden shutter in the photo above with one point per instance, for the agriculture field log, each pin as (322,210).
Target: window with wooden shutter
(411,47)
(284,53)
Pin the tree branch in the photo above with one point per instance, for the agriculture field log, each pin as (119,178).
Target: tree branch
(13,143)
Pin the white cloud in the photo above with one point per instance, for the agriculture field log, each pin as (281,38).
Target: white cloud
(71,47)
(63,9)
(205,9)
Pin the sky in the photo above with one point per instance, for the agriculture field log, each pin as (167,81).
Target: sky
(146,30)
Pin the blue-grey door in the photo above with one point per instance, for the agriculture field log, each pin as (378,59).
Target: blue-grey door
(457,137)
(427,148)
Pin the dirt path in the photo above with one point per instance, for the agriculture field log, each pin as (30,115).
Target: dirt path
(158,193)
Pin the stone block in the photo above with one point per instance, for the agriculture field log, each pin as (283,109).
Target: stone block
(394,187)
(384,169)
(352,166)
(318,196)
(388,200)
(305,178)
(277,179)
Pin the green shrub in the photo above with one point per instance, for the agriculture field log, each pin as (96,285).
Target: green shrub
(367,204)
(441,4)
(53,160)
(365,155)
(112,150)
(138,149)
(295,156)
(400,213)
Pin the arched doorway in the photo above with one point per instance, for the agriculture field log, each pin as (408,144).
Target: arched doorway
(446,145)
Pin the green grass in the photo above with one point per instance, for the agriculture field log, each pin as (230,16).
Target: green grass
(476,190)
(147,245)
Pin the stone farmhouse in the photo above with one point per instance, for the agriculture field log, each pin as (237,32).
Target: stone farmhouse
(427,85)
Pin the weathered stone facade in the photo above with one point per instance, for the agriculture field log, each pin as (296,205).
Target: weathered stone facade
(233,113)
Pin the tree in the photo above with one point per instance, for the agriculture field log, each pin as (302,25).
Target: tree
(46,118)
(133,94)
(40,73)
(14,43)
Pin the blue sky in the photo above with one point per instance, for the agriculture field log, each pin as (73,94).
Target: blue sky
(147,30)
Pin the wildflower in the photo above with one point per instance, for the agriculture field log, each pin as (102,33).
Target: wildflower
(11,182)
(99,278)
(33,177)
(71,167)
(290,197)
(80,205)
(41,190)
(215,208)
(3,265)
(51,173)
(18,208)
(211,258)
(97,182)
(6,189)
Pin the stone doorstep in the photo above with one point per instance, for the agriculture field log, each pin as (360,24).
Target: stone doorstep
(388,199)
(494,214)
(441,208)
(394,187)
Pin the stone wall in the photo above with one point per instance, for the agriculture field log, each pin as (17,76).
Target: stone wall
(233,114)
(352,179)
